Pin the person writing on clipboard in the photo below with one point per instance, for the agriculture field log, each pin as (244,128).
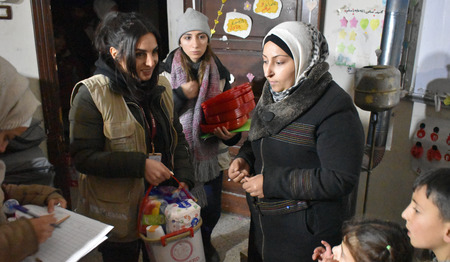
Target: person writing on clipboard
(21,238)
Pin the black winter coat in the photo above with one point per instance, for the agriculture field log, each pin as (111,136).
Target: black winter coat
(309,149)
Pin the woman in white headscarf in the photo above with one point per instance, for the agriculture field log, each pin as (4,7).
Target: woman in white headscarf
(304,150)
(22,237)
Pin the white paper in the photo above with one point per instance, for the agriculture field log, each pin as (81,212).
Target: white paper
(268,8)
(72,240)
(237,24)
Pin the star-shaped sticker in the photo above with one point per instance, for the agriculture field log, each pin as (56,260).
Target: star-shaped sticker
(351,48)
(354,22)
(342,34)
(344,22)
(352,35)
(341,48)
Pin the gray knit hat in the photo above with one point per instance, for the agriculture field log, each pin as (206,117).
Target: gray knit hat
(193,20)
(17,102)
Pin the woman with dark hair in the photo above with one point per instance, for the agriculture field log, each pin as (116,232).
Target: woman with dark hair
(366,241)
(304,150)
(124,132)
(196,75)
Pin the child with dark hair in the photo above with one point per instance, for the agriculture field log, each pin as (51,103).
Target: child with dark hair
(367,241)
(428,215)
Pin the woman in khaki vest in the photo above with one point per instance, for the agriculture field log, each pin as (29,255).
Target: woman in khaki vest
(124,131)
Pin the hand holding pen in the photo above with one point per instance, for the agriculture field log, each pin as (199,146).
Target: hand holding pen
(60,202)
(43,227)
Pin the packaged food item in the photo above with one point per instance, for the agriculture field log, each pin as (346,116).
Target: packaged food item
(151,214)
(155,231)
(181,215)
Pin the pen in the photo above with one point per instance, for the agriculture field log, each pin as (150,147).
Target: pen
(28,212)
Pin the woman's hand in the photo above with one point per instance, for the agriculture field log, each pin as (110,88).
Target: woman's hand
(56,202)
(156,172)
(43,227)
(223,133)
(323,254)
(238,169)
(190,89)
(254,185)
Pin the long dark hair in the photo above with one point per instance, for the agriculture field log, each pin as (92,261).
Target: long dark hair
(204,61)
(377,240)
(122,31)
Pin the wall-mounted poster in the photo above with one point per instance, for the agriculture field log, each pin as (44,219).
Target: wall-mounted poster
(358,36)
(237,24)
(268,8)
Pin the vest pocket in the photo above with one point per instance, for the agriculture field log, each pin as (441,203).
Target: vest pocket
(113,201)
(121,135)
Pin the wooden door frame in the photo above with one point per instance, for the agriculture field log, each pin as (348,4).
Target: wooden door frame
(49,86)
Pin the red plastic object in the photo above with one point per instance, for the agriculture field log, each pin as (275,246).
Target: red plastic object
(230,125)
(232,114)
(229,105)
(417,150)
(176,233)
(228,95)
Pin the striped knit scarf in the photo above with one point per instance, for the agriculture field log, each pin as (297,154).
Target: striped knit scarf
(203,152)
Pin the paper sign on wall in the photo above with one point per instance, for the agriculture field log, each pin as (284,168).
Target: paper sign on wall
(237,24)
(359,36)
(267,8)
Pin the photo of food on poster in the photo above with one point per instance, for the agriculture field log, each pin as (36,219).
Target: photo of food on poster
(237,24)
(268,8)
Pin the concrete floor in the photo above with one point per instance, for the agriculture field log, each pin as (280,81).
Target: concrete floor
(230,236)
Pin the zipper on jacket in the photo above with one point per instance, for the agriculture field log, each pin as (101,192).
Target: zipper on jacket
(259,213)
(143,118)
(173,134)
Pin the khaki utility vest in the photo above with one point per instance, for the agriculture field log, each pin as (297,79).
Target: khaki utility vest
(115,201)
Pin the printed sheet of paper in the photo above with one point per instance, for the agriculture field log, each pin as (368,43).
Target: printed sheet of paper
(268,8)
(59,213)
(72,240)
(237,24)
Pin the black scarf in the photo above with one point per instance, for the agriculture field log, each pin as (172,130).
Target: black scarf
(270,118)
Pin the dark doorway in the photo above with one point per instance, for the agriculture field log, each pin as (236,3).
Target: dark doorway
(74,24)
(55,30)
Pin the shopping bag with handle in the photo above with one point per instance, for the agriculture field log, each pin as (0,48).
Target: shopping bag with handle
(183,240)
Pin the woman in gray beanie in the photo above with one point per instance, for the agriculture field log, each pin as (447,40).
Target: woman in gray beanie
(196,75)
(305,146)
(22,237)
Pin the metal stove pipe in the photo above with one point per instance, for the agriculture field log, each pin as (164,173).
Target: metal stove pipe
(391,50)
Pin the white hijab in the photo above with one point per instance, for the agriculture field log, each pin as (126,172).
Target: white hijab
(17,102)
(308,46)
